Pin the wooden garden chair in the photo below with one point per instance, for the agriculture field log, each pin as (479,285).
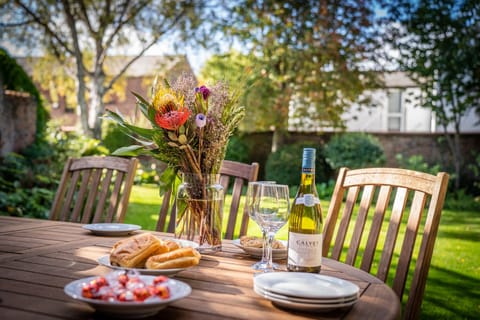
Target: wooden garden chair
(94,189)
(409,196)
(233,175)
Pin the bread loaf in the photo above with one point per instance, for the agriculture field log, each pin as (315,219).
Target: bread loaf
(172,245)
(180,258)
(134,251)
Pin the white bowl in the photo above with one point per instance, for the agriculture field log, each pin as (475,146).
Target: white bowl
(117,309)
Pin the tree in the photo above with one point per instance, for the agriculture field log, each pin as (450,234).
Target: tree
(85,32)
(438,44)
(314,52)
(244,74)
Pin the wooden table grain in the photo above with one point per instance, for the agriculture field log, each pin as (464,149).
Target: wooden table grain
(39,257)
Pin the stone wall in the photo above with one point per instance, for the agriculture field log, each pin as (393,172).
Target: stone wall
(18,118)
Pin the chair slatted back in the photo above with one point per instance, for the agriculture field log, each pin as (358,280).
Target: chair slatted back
(383,211)
(234,175)
(94,189)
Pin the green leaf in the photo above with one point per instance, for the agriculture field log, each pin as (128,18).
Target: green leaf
(132,151)
(143,132)
(167,179)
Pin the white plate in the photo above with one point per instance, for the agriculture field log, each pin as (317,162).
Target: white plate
(105,261)
(305,285)
(277,254)
(320,307)
(304,300)
(111,229)
(116,309)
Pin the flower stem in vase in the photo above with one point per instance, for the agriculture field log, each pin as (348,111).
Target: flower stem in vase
(200,206)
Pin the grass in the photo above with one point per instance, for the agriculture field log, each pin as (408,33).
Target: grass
(453,284)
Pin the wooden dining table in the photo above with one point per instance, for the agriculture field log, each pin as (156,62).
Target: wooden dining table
(39,257)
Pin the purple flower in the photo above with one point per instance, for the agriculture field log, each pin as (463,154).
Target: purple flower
(204,91)
(200,120)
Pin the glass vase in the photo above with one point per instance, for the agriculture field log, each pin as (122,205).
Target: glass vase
(199,211)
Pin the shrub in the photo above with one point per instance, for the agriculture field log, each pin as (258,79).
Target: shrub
(354,150)
(28,181)
(237,150)
(417,163)
(285,165)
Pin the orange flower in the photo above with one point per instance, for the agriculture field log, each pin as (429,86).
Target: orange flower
(173,119)
(170,113)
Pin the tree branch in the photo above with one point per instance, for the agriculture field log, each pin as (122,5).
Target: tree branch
(155,39)
(44,24)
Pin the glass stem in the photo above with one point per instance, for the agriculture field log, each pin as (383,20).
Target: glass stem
(264,247)
(270,237)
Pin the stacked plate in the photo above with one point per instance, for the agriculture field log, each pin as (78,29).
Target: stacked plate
(306,291)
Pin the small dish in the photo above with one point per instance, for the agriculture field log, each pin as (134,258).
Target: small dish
(116,309)
(105,261)
(277,254)
(112,229)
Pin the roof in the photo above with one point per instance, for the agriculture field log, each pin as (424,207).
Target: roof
(142,67)
(146,65)
(398,79)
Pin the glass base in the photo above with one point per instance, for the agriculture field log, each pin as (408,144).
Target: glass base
(262,266)
(209,249)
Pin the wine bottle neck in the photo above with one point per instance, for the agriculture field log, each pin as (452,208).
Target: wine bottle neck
(307,179)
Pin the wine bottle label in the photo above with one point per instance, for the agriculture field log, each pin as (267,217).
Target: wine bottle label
(308,200)
(304,250)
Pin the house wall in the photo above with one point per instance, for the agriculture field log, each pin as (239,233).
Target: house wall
(415,119)
(18,119)
(374,118)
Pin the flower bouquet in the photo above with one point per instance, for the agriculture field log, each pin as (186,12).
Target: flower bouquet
(189,128)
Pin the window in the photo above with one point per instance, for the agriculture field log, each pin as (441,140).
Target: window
(395,111)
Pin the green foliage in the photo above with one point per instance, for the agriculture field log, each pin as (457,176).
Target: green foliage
(114,137)
(354,150)
(285,165)
(15,78)
(460,200)
(438,44)
(237,150)
(258,92)
(311,60)
(417,163)
(28,181)
(147,173)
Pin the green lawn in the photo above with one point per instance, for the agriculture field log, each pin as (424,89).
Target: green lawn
(453,285)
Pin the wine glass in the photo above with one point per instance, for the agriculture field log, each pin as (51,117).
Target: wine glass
(271,210)
(252,191)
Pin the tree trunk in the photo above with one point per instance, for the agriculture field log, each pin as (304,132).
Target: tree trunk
(280,110)
(457,157)
(456,151)
(82,102)
(96,106)
(278,139)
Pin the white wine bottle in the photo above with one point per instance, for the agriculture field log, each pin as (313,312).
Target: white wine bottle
(305,224)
